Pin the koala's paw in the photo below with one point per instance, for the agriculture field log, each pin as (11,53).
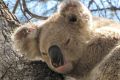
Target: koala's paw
(69,78)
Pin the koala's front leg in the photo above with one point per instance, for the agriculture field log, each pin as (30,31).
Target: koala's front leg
(109,68)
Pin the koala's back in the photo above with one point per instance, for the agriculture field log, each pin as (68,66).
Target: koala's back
(109,67)
(101,57)
(106,44)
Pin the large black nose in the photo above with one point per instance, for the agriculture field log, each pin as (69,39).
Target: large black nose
(56,56)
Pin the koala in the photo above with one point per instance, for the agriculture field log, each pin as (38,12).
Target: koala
(99,22)
(74,43)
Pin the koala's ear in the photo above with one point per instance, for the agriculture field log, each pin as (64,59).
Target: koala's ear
(25,39)
(68,3)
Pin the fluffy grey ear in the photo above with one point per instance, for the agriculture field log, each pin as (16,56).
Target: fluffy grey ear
(68,3)
(25,39)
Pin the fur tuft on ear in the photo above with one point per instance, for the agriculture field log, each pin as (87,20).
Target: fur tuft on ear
(68,3)
(25,39)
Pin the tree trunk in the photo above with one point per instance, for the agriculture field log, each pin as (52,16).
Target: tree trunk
(12,66)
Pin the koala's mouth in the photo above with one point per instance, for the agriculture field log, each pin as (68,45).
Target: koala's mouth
(66,68)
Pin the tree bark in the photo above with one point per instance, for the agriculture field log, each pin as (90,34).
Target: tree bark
(12,66)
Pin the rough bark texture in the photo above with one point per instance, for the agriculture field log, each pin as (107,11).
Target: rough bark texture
(12,66)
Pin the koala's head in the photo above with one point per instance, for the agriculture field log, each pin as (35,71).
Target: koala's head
(61,38)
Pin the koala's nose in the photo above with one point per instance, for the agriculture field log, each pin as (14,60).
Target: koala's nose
(56,56)
(72,18)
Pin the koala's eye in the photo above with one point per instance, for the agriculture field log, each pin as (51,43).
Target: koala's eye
(56,56)
(72,18)
(43,53)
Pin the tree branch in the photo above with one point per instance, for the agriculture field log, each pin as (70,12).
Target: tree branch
(15,7)
(30,13)
(5,72)
(109,8)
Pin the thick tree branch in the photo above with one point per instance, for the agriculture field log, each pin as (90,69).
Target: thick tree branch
(2,77)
